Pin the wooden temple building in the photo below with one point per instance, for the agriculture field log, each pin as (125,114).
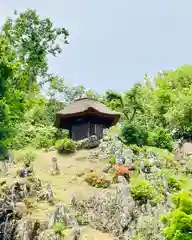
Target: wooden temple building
(86,117)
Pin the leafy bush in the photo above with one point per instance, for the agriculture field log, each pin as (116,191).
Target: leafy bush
(141,190)
(112,159)
(96,181)
(140,135)
(160,138)
(174,183)
(59,228)
(65,146)
(45,137)
(178,222)
(134,134)
(39,136)
(25,155)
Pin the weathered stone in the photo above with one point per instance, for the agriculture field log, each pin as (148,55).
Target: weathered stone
(47,235)
(154,169)
(128,155)
(49,194)
(90,142)
(122,180)
(60,215)
(55,168)
(107,168)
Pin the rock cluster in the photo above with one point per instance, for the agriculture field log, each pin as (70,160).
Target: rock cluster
(90,142)
(119,214)
(15,221)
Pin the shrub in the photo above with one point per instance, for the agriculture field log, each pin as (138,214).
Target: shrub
(39,136)
(59,228)
(178,222)
(112,159)
(141,190)
(65,146)
(160,138)
(134,134)
(25,155)
(174,183)
(96,181)
(45,137)
(140,135)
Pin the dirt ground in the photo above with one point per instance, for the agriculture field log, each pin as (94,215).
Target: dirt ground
(66,184)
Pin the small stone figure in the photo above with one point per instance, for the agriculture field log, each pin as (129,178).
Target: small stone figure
(76,231)
(11,159)
(13,197)
(55,167)
(5,168)
(49,194)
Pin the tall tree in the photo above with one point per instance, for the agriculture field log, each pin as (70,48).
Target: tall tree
(32,39)
(26,41)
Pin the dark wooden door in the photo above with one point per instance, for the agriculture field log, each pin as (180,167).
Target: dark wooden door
(92,129)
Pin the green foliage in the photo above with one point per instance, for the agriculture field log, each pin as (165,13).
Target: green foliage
(160,138)
(59,228)
(45,137)
(112,159)
(25,155)
(134,134)
(174,183)
(39,136)
(96,181)
(129,103)
(65,146)
(178,222)
(32,39)
(25,42)
(141,190)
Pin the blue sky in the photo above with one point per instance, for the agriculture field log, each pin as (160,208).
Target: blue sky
(114,43)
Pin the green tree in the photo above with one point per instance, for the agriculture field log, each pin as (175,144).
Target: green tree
(26,40)
(32,39)
(128,103)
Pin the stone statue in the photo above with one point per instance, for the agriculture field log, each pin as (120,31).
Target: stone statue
(49,194)
(5,167)
(55,167)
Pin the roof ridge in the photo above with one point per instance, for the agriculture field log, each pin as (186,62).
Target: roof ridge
(88,98)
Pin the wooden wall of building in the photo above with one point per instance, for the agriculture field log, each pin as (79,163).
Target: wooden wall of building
(85,130)
(80,131)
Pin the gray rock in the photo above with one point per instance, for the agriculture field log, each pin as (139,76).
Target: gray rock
(182,162)
(142,166)
(154,169)
(123,220)
(122,180)
(47,235)
(128,155)
(90,142)
(61,214)
(107,168)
